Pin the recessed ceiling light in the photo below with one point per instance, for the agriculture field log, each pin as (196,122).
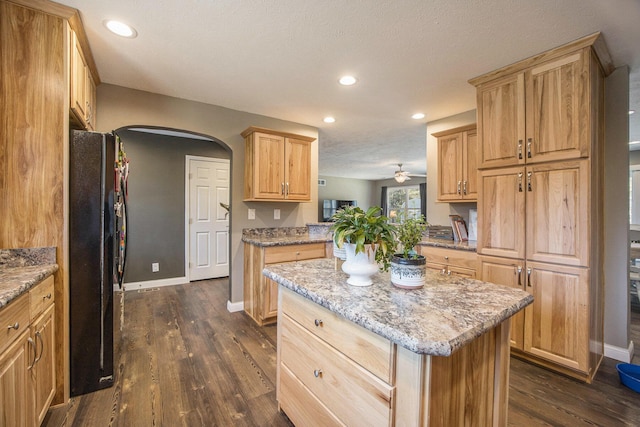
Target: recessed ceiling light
(631,112)
(418,116)
(329,120)
(347,80)
(120,28)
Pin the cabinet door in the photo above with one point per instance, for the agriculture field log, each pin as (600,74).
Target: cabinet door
(450,167)
(78,90)
(268,174)
(501,204)
(43,373)
(557,213)
(270,300)
(470,166)
(14,396)
(507,272)
(558,109)
(557,323)
(298,170)
(501,127)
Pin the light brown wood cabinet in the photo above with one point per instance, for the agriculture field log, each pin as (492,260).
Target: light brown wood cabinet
(261,293)
(458,164)
(538,114)
(27,356)
(82,87)
(450,262)
(277,166)
(540,128)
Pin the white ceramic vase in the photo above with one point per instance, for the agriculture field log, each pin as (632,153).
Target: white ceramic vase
(360,267)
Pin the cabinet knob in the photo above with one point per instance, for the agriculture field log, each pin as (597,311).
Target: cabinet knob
(48,296)
(15,326)
(318,322)
(447,258)
(317,373)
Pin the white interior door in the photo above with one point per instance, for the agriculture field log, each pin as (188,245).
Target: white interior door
(208,219)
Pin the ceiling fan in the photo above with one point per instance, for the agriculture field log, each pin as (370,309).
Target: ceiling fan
(400,175)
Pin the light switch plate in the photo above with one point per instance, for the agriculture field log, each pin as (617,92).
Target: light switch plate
(252,214)
(276,214)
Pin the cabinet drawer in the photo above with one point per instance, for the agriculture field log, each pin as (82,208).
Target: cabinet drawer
(367,349)
(349,391)
(300,405)
(466,259)
(274,254)
(41,297)
(15,313)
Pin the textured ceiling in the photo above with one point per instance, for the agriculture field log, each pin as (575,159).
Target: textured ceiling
(282,58)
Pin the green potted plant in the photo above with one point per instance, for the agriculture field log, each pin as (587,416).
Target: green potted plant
(369,241)
(408,269)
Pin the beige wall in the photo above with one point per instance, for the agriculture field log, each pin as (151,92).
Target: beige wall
(119,107)
(360,190)
(438,213)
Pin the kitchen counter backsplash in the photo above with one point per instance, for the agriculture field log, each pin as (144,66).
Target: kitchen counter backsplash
(27,257)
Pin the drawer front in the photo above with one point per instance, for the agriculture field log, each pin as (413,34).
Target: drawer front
(459,258)
(16,313)
(274,254)
(300,405)
(369,350)
(349,391)
(41,297)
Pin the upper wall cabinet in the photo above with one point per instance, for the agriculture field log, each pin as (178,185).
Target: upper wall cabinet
(277,166)
(538,114)
(458,164)
(83,88)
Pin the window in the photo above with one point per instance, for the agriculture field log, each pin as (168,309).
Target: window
(403,202)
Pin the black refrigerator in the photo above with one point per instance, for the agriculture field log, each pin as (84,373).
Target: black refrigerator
(98,171)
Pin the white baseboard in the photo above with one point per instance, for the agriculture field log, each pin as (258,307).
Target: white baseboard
(619,353)
(233,307)
(134,286)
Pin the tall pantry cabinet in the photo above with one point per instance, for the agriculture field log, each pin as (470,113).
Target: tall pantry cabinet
(541,136)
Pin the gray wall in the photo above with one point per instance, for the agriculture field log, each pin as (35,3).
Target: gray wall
(122,107)
(616,209)
(361,190)
(156,209)
(437,212)
(634,157)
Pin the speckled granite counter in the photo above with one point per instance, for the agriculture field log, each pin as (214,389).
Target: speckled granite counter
(450,244)
(281,236)
(437,320)
(21,269)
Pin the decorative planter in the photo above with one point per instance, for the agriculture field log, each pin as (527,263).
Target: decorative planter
(408,273)
(360,267)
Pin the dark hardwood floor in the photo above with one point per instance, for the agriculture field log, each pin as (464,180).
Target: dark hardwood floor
(186,361)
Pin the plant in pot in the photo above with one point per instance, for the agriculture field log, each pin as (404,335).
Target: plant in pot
(369,241)
(408,269)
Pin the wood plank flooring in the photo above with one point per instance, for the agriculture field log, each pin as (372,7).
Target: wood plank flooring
(187,361)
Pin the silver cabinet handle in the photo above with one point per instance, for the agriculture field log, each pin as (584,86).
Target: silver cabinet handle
(464,187)
(444,271)
(32,343)
(39,336)
(518,271)
(519,182)
(529,181)
(318,322)
(459,184)
(287,191)
(529,141)
(529,277)
(520,149)
(15,326)
(282,188)
(317,373)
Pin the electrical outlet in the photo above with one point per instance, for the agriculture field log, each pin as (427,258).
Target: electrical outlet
(155,267)
(252,214)
(276,214)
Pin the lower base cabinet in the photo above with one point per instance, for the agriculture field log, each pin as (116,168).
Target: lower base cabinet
(333,372)
(27,368)
(450,262)
(553,331)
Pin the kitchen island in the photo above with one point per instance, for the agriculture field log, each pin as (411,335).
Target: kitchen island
(381,355)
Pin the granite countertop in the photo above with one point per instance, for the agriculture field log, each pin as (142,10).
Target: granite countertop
(470,246)
(282,236)
(21,269)
(438,319)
